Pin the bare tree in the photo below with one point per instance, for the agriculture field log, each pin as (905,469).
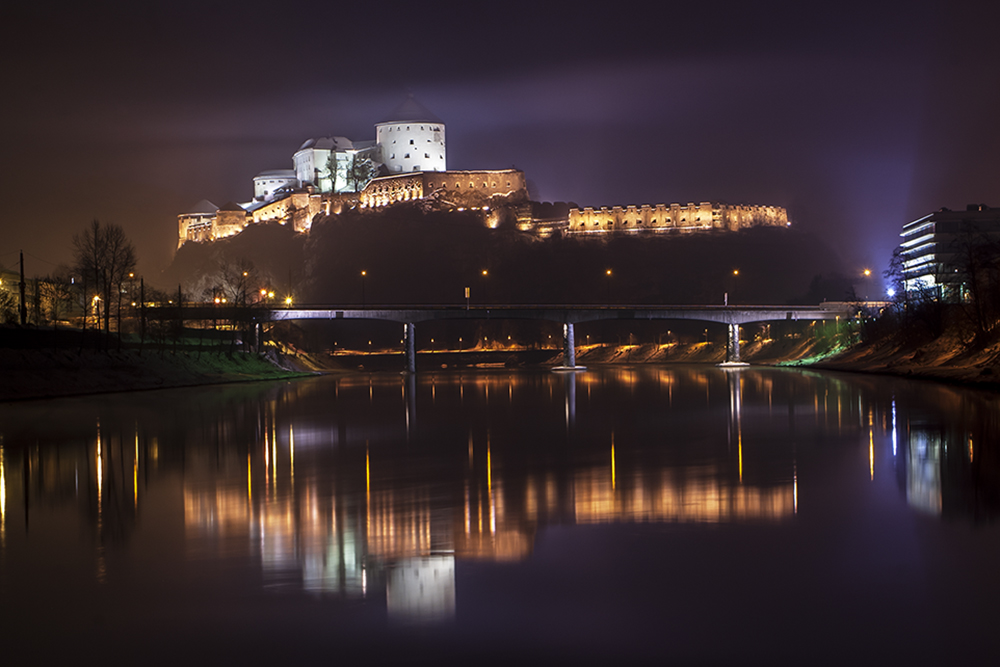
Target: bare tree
(104,256)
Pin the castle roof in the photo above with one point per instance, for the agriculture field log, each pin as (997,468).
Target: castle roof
(328,144)
(203,207)
(231,206)
(276,173)
(410,111)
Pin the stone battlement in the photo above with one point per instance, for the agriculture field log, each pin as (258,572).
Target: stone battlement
(673,217)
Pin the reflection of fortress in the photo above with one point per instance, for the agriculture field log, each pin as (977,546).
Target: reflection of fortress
(407,162)
(285,480)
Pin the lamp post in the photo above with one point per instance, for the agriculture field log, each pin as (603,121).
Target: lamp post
(485,275)
(736,274)
(364,274)
(608,274)
(867,273)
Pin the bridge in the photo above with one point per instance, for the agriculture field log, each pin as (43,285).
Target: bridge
(568,316)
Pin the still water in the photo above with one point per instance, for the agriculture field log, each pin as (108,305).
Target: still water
(683,514)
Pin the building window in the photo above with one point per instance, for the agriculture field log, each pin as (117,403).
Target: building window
(406,156)
(426,155)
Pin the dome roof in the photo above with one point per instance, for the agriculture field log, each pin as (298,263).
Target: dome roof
(328,144)
(410,111)
(276,173)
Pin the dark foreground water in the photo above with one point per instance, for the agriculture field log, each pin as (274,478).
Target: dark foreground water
(676,515)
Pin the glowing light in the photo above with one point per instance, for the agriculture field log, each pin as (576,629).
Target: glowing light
(970,449)
(288,300)
(890,292)
(867,272)
(249,481)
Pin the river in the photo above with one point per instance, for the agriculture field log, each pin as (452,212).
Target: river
(669,514)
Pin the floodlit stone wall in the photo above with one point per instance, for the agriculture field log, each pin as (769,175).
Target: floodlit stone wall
(673,217)
(459,189)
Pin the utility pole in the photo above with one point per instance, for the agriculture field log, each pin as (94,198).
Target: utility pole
(142,313)
(23,309)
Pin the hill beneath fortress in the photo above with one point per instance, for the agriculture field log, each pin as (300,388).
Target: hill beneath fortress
(413,256)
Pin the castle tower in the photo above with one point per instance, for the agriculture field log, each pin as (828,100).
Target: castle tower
(411,138)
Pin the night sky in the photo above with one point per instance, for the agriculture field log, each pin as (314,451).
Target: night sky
(856,116)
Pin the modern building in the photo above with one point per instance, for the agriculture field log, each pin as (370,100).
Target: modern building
(935,247)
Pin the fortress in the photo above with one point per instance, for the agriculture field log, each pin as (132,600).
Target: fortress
(407,162)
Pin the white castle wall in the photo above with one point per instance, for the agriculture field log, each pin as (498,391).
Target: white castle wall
(412,146)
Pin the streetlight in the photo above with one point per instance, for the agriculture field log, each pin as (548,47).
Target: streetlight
(608,274)
(363,275)
(736,274)
(485,274)
(867,273)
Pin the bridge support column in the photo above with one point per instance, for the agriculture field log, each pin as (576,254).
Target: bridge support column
(411,347)
(733,345)
(569,346)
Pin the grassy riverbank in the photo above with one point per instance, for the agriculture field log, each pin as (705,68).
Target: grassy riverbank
(48,373)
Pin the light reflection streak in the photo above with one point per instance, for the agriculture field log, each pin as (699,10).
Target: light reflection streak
(612,460)
(489,486)
(795,489)
(893,426)
(101,566)
(3,501)
(135,470)
(291,453)
(871,453)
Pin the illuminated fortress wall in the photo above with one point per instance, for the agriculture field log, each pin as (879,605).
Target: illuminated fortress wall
(663,217)
(458,189)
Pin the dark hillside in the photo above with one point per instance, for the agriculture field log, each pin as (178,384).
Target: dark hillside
(414,256)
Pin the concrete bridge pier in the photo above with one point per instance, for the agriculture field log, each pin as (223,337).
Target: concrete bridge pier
(569,345)
(733,347)
(569,350)
(411,347)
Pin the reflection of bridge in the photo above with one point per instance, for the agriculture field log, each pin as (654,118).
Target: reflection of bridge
(732,316)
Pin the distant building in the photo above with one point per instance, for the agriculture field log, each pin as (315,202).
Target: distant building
(932,247)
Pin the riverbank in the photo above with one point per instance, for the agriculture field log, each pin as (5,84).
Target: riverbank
(49,373)
(945,359)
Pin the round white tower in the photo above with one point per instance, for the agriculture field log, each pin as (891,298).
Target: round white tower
(412,139)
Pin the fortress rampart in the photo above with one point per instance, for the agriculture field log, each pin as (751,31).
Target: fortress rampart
(459,189)
(673,217)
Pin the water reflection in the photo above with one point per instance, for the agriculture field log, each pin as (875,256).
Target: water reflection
(381,485)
